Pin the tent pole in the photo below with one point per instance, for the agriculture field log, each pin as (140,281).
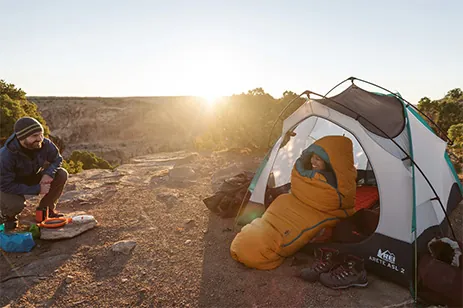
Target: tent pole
(281,113)
(414,227)
(350,78)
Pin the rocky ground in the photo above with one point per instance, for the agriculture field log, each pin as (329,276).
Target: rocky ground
(180,255)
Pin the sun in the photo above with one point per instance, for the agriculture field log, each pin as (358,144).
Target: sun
(209,72)
(211,100)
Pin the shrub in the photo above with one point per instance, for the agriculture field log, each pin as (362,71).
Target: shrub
(14,105)
(72,167)
(89,160)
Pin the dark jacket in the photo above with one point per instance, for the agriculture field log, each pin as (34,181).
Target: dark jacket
(17,169)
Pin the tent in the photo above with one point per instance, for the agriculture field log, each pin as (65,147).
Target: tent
(415,178)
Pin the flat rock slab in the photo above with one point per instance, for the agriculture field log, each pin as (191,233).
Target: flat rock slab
(182,173)
(68,230)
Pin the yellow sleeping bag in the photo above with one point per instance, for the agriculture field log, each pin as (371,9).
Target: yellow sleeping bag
(314,202)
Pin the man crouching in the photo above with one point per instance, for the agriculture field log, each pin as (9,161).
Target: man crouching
(30,164)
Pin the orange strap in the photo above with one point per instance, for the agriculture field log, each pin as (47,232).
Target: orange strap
(54,222)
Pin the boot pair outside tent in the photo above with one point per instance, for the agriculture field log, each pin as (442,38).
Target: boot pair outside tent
(336,270)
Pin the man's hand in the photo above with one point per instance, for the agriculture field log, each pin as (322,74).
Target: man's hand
(46,179)
(44,189)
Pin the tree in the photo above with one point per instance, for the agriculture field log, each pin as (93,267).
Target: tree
(450,113)
(246,120)
(14,105)
(455,94)
(444,112)
(10,111)
(456,134)
(430,108)
(447,113)
(257,92)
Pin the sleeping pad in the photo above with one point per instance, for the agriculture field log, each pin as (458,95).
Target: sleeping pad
(313,203)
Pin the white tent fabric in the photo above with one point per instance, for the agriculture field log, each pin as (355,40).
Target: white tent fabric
(394,177)
(429,153)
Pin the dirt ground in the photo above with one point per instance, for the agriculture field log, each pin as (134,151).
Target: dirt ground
(181,257)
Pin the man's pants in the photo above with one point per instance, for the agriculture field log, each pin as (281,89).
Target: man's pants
(11,205)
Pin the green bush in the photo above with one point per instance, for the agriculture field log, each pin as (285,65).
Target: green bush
(72,167)
(89,160)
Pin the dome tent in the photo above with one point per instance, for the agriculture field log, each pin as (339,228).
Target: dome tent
(416,181)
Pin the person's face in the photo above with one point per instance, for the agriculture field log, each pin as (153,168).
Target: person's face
(317,162)
(33,142)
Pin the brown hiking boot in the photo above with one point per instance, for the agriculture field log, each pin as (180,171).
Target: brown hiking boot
(326,259)
(351,273)
(54,214)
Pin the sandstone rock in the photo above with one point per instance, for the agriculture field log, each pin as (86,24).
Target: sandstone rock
(188,159)
(182,173)
(169,198)
(124,246)
(69,230)
(225,173)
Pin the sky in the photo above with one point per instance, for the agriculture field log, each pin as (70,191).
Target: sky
(212,48)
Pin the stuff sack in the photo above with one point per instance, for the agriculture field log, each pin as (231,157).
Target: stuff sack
(439,283)
(16,242)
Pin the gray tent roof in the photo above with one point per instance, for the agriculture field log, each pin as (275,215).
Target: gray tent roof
(384,111)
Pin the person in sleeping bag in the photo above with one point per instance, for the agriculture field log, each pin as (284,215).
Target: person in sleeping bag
(319,165)
(323,185)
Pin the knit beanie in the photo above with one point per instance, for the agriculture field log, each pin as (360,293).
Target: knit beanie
(27,126)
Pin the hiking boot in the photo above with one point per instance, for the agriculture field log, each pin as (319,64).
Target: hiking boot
(326,259)
(54,214)
(9,223)
(348,274)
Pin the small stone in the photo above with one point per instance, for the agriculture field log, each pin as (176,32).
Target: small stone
(187,242)
(69,279)
(42,278)
(99,283)
(188,221)
(124,246)
(124,279)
